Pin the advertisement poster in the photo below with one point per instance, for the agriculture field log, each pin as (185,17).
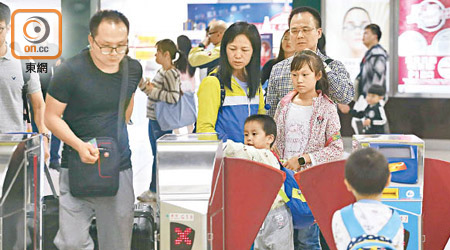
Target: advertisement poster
(344,27)
(269,18)
(266,16)
(266,48)
(424,47)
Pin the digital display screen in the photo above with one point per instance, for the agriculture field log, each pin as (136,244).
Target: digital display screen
(181,236)
(423,43)
(396,152)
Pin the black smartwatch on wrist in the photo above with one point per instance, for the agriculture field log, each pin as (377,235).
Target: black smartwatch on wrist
(301,161)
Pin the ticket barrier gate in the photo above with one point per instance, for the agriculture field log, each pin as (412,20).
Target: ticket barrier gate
(184,177)
(207,201)
(324,189)
(21,161)
(325,192)
(405,155)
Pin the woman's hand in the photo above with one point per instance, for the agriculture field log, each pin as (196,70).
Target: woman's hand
(149,85)
(146,86)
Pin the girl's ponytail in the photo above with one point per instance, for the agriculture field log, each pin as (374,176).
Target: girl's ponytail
(176,56)
(323,84)
(180,61)
(168,45)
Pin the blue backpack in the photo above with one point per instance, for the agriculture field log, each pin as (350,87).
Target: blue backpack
(361,240)
(301,214)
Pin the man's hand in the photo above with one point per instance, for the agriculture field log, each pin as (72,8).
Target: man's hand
(344,108)
(292,164)
(366,122)
(46,149)
(88,154)
(206,41)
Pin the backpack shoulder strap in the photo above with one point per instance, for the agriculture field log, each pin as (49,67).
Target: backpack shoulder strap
(328,61)
(369,244)
(391,228)
(326,64)
(351,223)
(222,88)
(222,93)
(26,77)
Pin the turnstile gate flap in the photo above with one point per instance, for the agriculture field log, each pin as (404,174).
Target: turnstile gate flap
(248,191)
(324,190)
(436,208)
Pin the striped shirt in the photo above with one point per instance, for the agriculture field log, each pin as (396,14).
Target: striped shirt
(280,82)
(167,89)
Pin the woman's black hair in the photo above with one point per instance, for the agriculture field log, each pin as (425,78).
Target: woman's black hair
(281,56)
(168,45)
(185,46)
(308,57)
(225,70)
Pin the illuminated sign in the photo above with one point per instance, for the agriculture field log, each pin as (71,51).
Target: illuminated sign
(181,236)
(423,47)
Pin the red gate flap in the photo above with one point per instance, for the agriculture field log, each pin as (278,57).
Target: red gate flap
(436,207)
(250,189)
(324,190)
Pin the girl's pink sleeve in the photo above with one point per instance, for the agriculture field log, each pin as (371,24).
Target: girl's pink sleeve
(334,146)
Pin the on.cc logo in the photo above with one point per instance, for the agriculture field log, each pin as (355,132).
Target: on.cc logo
(36,30)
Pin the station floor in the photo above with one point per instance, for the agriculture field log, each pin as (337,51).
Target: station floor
(142,156)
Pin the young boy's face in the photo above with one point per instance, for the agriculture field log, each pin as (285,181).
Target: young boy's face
(373,98)
(255,136)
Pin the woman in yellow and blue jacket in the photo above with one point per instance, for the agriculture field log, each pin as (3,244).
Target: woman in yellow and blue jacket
(239,71)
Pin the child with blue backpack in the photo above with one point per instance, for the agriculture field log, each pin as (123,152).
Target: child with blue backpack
(367,223)
(288,210)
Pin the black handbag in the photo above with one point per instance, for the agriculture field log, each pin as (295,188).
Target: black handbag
(102,177)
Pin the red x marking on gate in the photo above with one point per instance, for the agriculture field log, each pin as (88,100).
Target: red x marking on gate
(183,236)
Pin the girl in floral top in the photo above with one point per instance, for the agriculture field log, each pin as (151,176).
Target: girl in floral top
(308,127)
